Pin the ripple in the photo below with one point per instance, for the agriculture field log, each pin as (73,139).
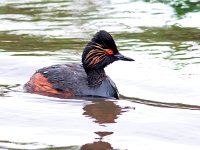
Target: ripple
(161,88)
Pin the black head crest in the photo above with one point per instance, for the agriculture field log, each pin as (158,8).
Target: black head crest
(105,39)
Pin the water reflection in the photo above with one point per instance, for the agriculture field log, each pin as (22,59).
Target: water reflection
(181,6)
(6,89)
(99,145)
(103,112)
(177,45)
(30,44)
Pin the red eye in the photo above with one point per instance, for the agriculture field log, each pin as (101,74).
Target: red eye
(109,52)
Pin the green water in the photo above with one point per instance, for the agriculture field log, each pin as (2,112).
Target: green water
(160,91)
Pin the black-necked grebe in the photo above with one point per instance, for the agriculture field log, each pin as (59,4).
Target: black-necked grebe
(86,79)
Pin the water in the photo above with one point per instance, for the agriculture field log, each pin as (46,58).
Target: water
(160,91)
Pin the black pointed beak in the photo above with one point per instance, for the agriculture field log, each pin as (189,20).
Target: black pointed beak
(122,57)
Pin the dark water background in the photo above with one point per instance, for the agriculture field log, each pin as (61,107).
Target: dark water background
(160,91)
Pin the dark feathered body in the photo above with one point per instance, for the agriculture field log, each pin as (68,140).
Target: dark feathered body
(70,80)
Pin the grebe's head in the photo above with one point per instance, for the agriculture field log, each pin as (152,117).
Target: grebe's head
(101,51)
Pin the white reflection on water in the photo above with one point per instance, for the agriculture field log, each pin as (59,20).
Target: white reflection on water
(44,121)
(89,16)
(154,80)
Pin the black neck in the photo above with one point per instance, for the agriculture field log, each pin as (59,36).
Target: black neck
(95,77)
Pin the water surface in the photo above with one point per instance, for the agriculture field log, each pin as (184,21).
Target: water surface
(160,91)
